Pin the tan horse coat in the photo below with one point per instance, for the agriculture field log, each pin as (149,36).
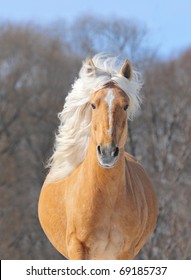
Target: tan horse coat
(94,214)
(97,212)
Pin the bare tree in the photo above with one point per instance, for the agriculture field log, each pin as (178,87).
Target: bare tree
(90,35)
(167,153)
(35,76)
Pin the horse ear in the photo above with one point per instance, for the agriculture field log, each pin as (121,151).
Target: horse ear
(90,66)
(126,70)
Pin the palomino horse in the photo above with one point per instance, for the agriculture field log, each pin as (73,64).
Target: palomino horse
(97,201)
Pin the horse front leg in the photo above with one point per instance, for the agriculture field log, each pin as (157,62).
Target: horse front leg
(127,254)
(76,249)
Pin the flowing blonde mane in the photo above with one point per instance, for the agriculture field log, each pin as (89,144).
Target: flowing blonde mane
(75,119)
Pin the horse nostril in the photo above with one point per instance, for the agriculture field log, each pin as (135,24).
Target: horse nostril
(99,149)
(116,152)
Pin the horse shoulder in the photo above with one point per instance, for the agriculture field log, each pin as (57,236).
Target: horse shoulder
(143,190)
(139,178)
(52,214)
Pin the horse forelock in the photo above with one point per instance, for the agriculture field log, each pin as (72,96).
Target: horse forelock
(75,119)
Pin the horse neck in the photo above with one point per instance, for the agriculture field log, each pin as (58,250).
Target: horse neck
(103,176)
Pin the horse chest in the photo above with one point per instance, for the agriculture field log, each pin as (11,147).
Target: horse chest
(106,235)
(106,242)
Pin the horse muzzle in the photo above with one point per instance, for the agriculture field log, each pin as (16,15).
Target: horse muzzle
(107,155)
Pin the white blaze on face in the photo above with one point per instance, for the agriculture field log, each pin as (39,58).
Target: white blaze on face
(109,100)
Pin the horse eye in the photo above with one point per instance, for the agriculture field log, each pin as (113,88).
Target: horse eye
(93,106)
(125,107)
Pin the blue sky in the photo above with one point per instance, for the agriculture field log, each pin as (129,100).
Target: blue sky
(168,21)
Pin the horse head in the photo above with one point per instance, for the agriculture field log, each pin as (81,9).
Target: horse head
(109,118)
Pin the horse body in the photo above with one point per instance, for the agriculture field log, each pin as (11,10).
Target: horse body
(106,208)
